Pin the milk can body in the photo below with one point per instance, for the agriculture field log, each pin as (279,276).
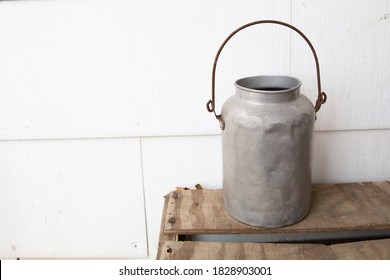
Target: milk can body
(266,148)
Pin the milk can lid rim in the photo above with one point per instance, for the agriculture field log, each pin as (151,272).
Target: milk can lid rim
(269,84)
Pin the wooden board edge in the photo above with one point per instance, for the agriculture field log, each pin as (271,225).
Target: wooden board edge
(360,229)
(163,236)
(361,250)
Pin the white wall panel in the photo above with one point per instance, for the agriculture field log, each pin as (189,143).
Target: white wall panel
(351,156)
(71,199)
(176,162)
(352,39)
(82,68)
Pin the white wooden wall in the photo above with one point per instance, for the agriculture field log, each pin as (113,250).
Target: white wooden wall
(102,108)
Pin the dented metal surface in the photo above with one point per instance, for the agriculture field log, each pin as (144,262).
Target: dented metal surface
(267,144)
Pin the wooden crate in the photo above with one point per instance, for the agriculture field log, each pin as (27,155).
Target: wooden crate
(354,218)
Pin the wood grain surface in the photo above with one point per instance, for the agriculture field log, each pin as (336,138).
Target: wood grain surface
(334,208)
(368,250)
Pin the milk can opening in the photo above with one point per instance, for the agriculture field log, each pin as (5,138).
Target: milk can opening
(268,83)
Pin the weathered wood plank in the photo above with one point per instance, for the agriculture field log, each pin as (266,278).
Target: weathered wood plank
(364,250)
(369,250)
(180,250)
(335,208)
(384,186)
(163,237)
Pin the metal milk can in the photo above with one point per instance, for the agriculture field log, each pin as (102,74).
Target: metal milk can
(267,134)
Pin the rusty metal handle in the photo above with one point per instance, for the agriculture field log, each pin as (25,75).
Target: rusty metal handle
(321,98)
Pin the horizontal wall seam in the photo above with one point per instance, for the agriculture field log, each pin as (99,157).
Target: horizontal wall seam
(169,135)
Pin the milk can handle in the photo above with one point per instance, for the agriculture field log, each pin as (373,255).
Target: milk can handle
(321,99)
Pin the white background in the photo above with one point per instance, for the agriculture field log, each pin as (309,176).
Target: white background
(103,108)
